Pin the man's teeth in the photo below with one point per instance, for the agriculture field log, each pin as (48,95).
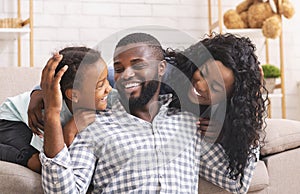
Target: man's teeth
(105,98)
(195,91)
(130,85)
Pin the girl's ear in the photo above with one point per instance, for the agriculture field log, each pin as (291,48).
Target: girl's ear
(72,95)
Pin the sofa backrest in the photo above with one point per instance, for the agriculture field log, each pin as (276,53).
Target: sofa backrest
(16,80)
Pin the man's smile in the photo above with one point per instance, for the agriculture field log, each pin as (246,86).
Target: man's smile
(131,84)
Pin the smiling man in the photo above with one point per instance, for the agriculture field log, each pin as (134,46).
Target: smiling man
(137,146)
(139,67)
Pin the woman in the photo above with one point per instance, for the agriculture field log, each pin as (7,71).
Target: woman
(225,90)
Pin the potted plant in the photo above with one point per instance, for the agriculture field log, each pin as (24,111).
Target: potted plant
(271,72)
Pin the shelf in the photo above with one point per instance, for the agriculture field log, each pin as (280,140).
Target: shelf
(253,32)
(12,33)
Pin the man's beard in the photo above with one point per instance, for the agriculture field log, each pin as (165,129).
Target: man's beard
(146,94)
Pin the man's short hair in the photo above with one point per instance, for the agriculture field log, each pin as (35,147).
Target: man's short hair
(146,39)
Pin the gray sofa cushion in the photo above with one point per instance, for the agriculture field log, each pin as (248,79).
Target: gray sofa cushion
(18,179)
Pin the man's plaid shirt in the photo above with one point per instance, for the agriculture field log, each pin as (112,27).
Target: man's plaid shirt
(121,153)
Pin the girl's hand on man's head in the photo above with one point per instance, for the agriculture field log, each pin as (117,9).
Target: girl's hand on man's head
(52,95)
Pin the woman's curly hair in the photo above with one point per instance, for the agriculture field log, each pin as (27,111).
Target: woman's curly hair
(75,58)
(245,110)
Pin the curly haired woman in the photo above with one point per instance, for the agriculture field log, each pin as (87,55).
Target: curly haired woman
(219,79)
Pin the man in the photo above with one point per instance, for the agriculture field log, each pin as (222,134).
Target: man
(138,146)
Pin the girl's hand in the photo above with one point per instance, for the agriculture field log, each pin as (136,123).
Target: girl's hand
(81,119)
(84,118)
(52,95)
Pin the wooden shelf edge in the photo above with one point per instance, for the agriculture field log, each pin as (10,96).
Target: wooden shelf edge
(237,30)
(13,30)
(12,33)
(244,30)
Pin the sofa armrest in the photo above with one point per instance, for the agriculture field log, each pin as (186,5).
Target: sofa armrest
(281,135)
(284,172)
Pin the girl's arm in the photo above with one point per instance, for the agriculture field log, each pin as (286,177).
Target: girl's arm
(63,170)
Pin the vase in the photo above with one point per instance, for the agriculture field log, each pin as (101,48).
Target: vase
(270,84)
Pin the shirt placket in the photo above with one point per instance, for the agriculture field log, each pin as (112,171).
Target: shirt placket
(160,152)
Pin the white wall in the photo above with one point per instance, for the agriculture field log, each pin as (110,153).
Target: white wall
(86,22)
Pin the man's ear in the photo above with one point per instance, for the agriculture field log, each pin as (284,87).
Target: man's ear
(72,95)
(162,68)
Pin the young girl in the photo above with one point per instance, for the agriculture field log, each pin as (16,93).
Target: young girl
(84,87)
(221,82)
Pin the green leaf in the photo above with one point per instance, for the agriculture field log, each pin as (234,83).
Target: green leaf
(271,71)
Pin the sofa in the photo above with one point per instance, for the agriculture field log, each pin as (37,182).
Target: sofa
(277,172)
